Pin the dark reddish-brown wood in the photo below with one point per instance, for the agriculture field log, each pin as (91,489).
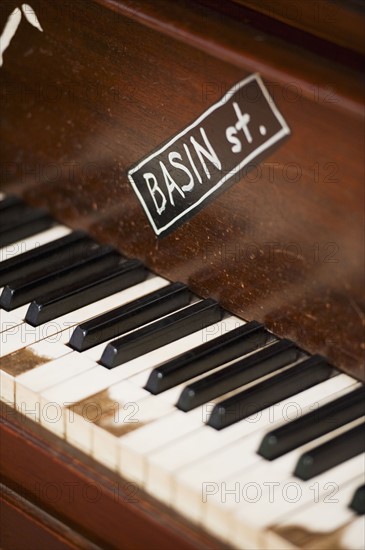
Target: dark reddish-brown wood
(338,22)
(24,524)
(105,83)
(85,100)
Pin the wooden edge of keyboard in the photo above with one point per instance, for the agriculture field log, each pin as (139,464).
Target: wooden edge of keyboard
(46,478)
(22,520)
(326,20)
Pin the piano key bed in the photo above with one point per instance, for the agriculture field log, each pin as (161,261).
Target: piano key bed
(236,430)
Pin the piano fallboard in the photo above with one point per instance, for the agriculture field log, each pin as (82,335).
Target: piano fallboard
(86,100)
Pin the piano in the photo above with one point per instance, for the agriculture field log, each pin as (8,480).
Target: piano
(196,384)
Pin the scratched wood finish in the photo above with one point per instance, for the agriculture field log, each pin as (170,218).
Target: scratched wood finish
(107,82)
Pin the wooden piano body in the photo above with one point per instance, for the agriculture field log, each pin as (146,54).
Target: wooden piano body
(103,85)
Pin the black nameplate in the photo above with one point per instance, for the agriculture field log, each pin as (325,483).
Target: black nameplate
(174,181)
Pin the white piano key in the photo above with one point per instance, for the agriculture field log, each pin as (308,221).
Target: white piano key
(353,535)
(201,439)
(162,465)
(143,364)
(8,320)
(151,359)
(101,379)
(109,410)
(321,523)
(22,335)
(280,467)
(274,542)
(17,314)
(14,249)
(129,417)
(187,482)
(278,471)
(171,396)
(60,329)
(317,521)
(178,449)
(105,434)
(148,410)
(22,361)
(30,385)
(63,396)
(136,446)
(261,501)
(226,325)
(61,393)
(122,372)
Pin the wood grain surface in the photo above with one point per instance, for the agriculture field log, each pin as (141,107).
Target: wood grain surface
(341,23)
(107,82)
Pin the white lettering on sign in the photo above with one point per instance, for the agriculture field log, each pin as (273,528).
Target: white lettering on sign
(175,180)
(170,184)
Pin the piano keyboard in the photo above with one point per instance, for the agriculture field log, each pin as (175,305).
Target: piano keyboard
(243,433)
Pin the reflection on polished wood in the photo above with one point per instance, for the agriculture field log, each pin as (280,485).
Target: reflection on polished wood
(284,244)
(108,81)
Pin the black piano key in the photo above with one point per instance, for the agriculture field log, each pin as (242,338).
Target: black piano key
(162,332)
(10,209)
(130,316)
(84,292)
(240,341)
(30,222)
(63,249)
(11,216)
(357,503)
(330,454)
(94,259)
(314,424)
(237,374)
(298,378)
(9,202)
